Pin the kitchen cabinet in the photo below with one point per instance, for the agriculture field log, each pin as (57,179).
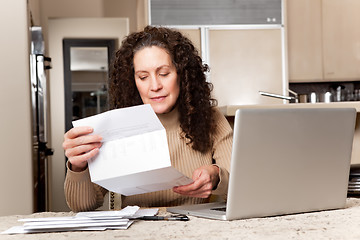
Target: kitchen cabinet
(323,40)
(304,40)
(341,39)
(244,62)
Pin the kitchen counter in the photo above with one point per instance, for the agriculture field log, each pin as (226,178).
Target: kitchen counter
(229,112)
(334,224)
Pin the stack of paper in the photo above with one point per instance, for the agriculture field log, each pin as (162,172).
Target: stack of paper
(134,157)
(84,221)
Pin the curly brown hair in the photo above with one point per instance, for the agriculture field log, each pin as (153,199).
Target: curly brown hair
(195,104)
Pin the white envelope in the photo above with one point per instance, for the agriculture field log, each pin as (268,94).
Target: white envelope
(134,157)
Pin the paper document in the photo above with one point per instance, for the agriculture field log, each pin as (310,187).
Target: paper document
(134,157)
(83,221)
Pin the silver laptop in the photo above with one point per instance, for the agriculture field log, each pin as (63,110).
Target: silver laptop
(285,161)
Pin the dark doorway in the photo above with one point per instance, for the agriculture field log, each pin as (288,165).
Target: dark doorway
(86,74)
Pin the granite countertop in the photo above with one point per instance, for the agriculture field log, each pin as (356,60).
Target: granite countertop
(334,224)
(229,110)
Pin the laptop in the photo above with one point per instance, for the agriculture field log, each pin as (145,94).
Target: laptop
(285,161)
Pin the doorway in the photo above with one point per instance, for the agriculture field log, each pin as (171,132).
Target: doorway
(86,74)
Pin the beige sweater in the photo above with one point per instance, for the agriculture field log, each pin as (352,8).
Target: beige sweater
(83,195)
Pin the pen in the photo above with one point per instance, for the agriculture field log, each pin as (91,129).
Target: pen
(169,218)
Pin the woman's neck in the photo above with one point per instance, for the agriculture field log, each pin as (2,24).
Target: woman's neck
(169,120)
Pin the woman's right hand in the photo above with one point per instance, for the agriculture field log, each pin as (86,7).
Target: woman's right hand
(80,147)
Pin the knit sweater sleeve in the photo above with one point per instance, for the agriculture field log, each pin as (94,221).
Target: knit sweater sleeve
(80,193)
(222,151)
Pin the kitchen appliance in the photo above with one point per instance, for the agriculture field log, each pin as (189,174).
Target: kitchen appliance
(39,63)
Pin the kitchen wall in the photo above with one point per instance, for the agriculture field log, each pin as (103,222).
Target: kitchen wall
(15,121)
(43,10)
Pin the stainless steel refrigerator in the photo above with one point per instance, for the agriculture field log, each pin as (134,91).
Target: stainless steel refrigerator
(39,64)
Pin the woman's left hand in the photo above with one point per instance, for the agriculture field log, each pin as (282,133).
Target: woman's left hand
(206,178)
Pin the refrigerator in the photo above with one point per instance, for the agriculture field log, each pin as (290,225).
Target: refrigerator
(39,65)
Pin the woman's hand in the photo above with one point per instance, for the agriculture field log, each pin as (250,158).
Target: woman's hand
(206,178)
(80,147)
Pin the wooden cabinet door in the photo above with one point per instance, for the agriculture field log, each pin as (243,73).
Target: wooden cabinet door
(341,39)
(244,62)
(304,40)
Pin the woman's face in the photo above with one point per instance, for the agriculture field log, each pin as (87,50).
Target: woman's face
(156,78)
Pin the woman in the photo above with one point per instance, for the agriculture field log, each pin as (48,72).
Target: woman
(160,67)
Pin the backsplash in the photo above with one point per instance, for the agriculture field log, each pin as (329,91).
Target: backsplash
(327,91)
